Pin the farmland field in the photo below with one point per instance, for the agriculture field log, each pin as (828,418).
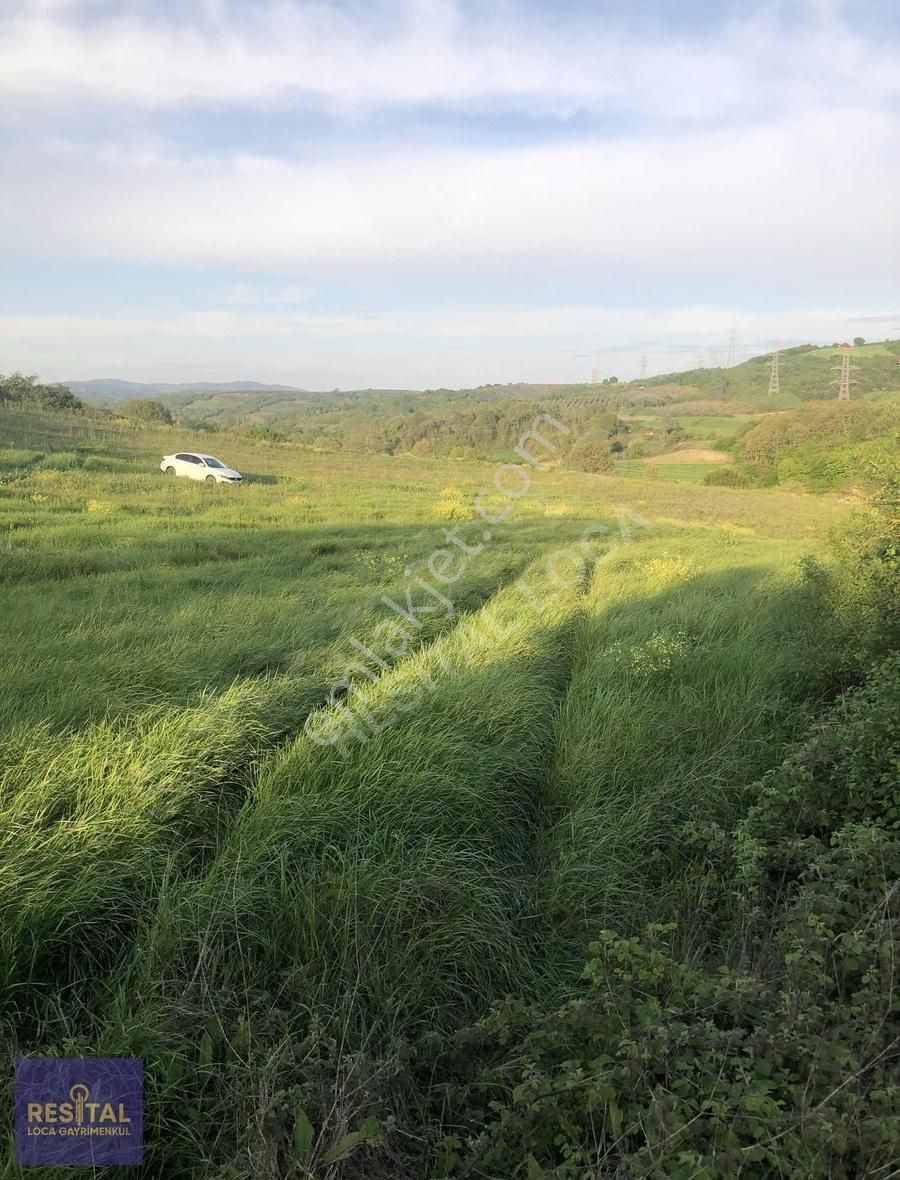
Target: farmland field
(680,472)
(301,777)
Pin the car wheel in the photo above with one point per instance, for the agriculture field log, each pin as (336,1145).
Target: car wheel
(210,479)
(170,471)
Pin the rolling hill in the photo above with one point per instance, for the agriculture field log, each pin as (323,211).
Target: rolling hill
(109,391)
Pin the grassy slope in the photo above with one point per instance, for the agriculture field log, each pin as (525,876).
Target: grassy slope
(804,373)
(191,867)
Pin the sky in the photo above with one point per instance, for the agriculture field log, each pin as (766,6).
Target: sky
(423,193)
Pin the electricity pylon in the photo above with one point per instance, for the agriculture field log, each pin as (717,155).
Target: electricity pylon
(732,349)
(774,375)
(845,380)
(643,365)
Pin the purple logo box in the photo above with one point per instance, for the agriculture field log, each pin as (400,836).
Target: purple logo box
(79,1110)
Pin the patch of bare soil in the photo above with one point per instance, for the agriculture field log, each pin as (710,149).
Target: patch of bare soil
(692,455)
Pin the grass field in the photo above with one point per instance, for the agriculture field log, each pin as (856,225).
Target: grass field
(679,472)
(280,794)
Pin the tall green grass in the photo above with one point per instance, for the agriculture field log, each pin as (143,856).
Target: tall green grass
(694,665)
(149,797)
(369,893)
(391,871)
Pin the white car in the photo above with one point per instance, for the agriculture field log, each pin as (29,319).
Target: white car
(196,466)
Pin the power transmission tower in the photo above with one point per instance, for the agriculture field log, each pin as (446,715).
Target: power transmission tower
(699,360)
(595,376)
(732,348)
(845,380)
(774,375)
(643,365)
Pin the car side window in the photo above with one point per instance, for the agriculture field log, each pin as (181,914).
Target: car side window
(184,458)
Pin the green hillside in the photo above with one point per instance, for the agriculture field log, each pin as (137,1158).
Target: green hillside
(806,373)
(709,404)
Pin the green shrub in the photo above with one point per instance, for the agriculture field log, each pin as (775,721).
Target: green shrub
(266,434)
(143,409)
(591,454)
(726,477)
(780,1061)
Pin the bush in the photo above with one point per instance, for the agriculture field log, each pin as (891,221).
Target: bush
(144,409)
(726,477)
(591,454)
(266,434)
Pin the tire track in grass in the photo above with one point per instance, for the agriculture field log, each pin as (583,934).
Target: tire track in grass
(427,818)
(93,825)
(684,684)
(374,891)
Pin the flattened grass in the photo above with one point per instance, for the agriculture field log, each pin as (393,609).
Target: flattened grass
(694,665)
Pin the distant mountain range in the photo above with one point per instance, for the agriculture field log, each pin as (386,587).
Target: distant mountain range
(110,390)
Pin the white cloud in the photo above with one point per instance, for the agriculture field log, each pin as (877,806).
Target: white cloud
(412,348)
(814,198)
(428,51)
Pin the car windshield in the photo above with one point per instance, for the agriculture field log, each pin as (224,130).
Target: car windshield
(211,462)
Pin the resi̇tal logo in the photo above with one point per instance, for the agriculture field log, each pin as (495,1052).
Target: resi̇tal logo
(79,1110)
(86,1118)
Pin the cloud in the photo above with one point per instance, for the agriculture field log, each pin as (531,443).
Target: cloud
(749,163)
(412,348)
(353,60)
(772,205)
(665,326)
(244,294)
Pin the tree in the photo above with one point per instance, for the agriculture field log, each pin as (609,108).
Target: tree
(591,454)
(859,341)
(144,409)
(19,387)
(60,397)
(26,388)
